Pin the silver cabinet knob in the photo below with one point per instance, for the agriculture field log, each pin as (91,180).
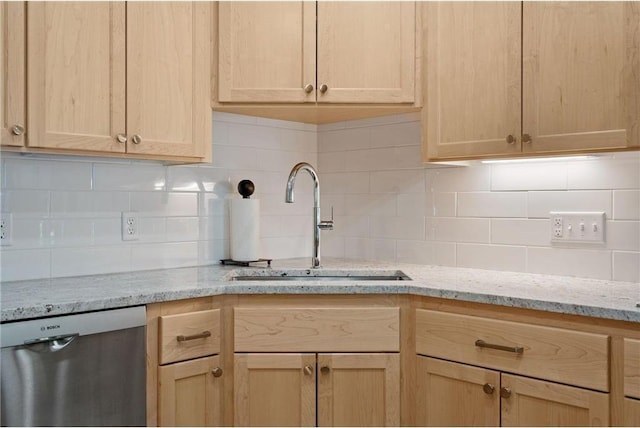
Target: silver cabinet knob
(323,88)
(217,372)
(308,88)
(526,138)
(505,392)
(308,370)
(511,139)
(488,388)
(17,129)
(121,138)
(136,139)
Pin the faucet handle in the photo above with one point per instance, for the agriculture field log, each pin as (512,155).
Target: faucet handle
(327,224)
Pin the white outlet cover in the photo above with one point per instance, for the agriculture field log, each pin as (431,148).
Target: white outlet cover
(5,228)
(577,227)
(130,226)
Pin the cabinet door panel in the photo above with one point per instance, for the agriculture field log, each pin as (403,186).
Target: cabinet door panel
(275,390)
(366,52)
(539,403)
(359,390)
(168,82)
(189,394)
(452,394)
(267,51)
(631,412)
(12,64)
(76,75)
(473,79)
(580,79)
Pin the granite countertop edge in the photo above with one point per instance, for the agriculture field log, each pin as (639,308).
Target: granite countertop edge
(615,300)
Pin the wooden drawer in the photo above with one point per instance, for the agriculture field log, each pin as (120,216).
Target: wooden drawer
(555,354)
(317,329)
(632,368)
(190,335)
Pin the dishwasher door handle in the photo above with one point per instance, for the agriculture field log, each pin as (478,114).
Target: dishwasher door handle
(52,343)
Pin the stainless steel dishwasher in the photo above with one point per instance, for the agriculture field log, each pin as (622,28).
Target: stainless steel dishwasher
(77,370)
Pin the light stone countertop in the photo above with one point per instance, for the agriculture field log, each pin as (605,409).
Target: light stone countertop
(589,297)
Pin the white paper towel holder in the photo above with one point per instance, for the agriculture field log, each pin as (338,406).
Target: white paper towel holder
(247,256)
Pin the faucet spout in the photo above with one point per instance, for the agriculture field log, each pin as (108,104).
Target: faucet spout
(317,223)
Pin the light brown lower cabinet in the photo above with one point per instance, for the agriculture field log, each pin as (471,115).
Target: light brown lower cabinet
(190,393)
(455,394)
(346,389)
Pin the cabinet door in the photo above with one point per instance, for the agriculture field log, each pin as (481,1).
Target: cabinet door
(168,78)
(266,51)
(190,394)
(531,402)
(580,75)
(12,64)
(453,394)
(631,412)
(275,390)
(76,75)
(366,52)
(359,390)
(473,79)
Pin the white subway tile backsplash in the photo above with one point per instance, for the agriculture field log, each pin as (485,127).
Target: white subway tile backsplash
(570,262)
(400,181)
(133,177)
(522,176)
(388,205)
(396,134)
(626,266)
(521,231)
(90,260)
(541,203)
(46,174)
(459,179)
(623,235)
(397,227)
(619,171)
(26,202)
(492,204)
(626,204)
(495,257)
(439,204)
(20,264)
(164,255)
(476,230)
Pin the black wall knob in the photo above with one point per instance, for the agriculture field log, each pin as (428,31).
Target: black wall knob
(246,188)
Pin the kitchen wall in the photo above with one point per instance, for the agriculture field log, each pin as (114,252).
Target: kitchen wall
(66,211)
(390,207)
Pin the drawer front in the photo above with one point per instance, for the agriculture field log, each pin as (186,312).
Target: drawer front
(555,354)
(632,368)
(190,335)
(317,329)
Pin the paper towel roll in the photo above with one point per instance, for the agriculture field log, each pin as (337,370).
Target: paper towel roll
(245,229)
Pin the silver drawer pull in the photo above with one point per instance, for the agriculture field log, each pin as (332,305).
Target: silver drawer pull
(202,335)
(515,349)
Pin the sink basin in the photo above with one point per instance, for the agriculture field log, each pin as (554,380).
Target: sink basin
(321,275)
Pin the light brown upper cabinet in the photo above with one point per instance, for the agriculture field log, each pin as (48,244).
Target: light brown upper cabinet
(274,54)
(12,64)
(510,79)
(119,78)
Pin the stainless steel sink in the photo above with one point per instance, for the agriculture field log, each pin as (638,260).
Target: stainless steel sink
(321,275)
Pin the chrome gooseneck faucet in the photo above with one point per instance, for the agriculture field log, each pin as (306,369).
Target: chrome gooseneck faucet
(318,224)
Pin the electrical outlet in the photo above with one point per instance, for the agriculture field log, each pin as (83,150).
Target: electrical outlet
(577,227)
(5,229)
(130,226)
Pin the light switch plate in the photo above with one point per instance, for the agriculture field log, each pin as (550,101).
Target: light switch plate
(577,227)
